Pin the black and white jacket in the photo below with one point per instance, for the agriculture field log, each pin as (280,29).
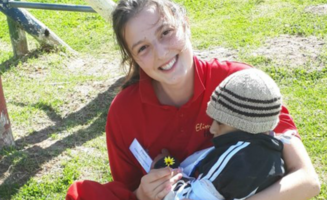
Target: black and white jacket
(239,165)
(242,164)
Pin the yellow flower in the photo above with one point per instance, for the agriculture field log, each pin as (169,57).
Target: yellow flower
(169,161)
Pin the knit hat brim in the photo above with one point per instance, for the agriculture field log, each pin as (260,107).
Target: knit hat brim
(254,126)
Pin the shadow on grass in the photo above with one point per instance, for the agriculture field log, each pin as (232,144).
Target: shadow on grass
(51,113)
(16,172)
(14,61)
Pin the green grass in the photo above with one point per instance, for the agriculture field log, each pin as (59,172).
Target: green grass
(51,187)
(49,100)
(242,23)
(81,31)
(305,96)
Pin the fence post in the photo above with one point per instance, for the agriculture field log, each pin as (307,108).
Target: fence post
(33,26)
(18,38)
(6,137)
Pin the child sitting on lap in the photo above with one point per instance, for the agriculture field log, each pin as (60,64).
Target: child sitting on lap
(245,158)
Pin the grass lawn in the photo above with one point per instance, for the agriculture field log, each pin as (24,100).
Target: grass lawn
(58,101)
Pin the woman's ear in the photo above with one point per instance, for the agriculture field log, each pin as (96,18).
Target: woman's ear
(187,20)
(187,26)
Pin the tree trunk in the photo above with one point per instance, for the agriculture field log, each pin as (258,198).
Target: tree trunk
(6,137)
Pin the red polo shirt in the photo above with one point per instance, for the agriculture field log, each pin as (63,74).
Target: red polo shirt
(137,113)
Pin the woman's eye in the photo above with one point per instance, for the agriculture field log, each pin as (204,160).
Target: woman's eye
(166,32)
(141,49)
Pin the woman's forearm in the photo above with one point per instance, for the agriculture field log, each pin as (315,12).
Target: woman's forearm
(301,181)
(296,186)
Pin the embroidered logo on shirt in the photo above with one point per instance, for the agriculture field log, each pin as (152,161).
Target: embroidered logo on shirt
(201,127)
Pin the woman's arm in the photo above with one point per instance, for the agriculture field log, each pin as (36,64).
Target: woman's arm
(301,180)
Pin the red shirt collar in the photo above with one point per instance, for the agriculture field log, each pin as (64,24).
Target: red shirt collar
(148,95)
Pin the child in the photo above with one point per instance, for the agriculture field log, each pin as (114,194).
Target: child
(245,158)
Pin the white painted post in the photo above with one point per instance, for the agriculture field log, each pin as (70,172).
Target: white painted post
(103,7)
(18,38)
(6,137)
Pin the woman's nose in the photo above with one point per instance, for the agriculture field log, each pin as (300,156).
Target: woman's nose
(161,51)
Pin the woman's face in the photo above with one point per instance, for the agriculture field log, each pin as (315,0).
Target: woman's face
(162,50)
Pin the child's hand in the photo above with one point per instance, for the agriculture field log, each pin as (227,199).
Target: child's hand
(164,153)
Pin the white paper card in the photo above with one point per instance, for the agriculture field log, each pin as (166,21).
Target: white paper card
(141,155)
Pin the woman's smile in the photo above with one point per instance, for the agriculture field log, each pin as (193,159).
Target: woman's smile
(170,65)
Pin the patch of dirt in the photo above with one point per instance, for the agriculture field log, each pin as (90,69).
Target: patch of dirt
(4,46)
(291,51)
(262,10)
(284,50)
(86,92)
(319,9)
(95,67)
(219,52)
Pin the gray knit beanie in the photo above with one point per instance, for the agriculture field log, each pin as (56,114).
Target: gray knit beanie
(248,100)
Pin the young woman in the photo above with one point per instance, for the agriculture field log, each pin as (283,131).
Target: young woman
(163,105)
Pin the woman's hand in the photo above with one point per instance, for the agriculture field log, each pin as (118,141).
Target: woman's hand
(157,183)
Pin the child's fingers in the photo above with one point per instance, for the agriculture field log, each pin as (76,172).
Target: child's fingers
(165,152)
(175,178)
